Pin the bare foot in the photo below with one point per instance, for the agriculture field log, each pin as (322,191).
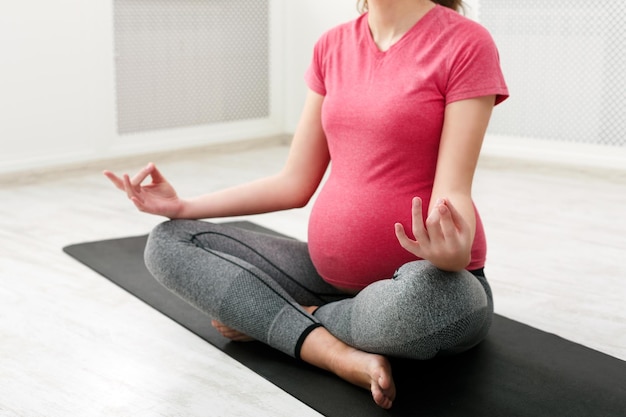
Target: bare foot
(237,336)
(230,333)
(366,370)
(310,309)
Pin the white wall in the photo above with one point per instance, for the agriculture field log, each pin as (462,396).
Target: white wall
(53,79)
(57,89)
(557,79)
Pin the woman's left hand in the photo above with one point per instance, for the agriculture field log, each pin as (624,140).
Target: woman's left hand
(444,239)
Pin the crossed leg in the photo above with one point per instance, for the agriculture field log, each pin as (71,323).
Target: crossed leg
(252,285)
(322,349)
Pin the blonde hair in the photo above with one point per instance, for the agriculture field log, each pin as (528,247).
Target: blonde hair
(451,4)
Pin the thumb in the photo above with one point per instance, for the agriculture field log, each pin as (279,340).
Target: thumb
(457,219)
(402,237)
(155,173)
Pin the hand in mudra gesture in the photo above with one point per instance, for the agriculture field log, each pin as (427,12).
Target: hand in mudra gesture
(158,197)
(444,238)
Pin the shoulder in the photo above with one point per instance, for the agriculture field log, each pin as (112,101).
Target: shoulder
(457,28)
(470,58)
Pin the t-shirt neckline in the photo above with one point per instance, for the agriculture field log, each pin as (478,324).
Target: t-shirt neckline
(408,34)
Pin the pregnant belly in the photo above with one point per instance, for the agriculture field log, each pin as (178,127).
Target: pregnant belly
(351,235)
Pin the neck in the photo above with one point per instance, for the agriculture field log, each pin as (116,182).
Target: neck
(389,20)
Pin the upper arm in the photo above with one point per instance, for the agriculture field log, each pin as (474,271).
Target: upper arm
(465,124)
(309,156)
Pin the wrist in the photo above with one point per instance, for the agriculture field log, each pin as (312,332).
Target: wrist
(180,210)
(453,263)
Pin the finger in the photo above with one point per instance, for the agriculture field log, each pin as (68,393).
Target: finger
(446,222)
(417,216)
(117,181)
(156,174)
(400,233)
(141,175)
(433,225)
(406,242)
(456,217)
(130,190)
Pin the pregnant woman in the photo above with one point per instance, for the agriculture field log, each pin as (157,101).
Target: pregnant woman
(399,100)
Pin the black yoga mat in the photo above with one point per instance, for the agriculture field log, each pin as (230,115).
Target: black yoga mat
(517,371)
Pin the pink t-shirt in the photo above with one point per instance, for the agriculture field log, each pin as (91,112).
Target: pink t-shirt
(383,117)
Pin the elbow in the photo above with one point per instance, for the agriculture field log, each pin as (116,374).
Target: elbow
(290,196)
(298,192)
(300,199)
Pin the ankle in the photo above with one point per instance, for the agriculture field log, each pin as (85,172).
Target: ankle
(337,356)
(322,349)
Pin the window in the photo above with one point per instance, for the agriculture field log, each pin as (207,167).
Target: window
(565,63)
(189,62)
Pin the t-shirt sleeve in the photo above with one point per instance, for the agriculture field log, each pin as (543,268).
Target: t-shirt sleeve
(475,68)
(314,75)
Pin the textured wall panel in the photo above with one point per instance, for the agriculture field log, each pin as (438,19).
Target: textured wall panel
(190,62)
(565,62)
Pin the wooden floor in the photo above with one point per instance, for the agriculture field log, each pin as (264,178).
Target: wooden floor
(73,344)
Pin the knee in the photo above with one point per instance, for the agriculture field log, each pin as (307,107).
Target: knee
(427,285)
(450,310)
(160,252)
(157,240)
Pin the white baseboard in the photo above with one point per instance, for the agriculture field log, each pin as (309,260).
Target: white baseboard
(136,145)
(81,163)
(552,154)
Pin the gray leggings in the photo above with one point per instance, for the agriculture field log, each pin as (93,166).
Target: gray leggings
(256,283)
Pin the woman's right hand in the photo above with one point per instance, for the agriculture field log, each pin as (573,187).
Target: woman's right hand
(157,197)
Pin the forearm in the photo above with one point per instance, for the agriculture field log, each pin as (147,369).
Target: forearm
(265,195)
